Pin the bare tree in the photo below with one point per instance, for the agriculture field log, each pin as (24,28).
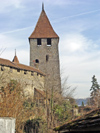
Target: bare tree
(2,50)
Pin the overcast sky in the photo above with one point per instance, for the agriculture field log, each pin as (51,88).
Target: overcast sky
(77,22)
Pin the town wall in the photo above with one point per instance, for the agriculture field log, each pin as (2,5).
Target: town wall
(29,80)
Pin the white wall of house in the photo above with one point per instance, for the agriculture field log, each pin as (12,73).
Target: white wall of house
(7,125)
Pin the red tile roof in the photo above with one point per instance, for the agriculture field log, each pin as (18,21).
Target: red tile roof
(15,59)
(6,62)
(81,123)
(43,28)
(17,65)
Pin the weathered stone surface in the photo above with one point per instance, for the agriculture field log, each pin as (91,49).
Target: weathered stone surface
(50,67)
(7,125)
(28,81)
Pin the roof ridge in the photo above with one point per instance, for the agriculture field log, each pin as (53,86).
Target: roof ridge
(5,59)
(16,65)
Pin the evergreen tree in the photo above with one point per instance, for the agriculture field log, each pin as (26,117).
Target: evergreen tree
(95,92)
(95,86)
(82,104)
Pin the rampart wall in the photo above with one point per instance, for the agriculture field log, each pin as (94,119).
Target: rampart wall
(28,79)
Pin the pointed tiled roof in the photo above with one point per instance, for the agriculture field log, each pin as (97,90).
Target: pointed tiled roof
(43,28)
(15,60)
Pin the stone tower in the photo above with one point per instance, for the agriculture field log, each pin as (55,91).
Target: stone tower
(44,52)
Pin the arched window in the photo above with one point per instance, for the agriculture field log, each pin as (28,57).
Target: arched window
(36,61)
(47,58)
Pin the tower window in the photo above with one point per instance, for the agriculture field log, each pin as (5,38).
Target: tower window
(38,41)
(36,61)
(47,58)
(48,41)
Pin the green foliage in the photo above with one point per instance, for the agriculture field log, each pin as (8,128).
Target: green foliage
(13,84)
(95,92)
(62,111)
(31,125)
(28,104)
(76,106)
(59,112)
(95,84)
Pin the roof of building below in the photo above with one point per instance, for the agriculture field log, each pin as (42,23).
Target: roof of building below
(43,28)
(15,64)
(87,122)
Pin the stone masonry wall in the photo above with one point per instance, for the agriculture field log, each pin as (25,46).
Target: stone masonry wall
(50,67)
(27,81)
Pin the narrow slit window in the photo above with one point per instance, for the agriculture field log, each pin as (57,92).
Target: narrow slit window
(48,41)
(47,58)
(38,41)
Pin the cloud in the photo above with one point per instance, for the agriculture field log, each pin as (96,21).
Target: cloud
(16,30)
(10,4)
(23,55)
(80,14)
(8,46)
(63,2)
(80,57)
(75,16)
(9,42)
(80,70)
(76,42)
(5,4)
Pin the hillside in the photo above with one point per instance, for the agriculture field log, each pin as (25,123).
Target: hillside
(80,100)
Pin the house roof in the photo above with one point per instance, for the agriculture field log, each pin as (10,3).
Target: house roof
(15,64)
(43,28)
(87,122)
